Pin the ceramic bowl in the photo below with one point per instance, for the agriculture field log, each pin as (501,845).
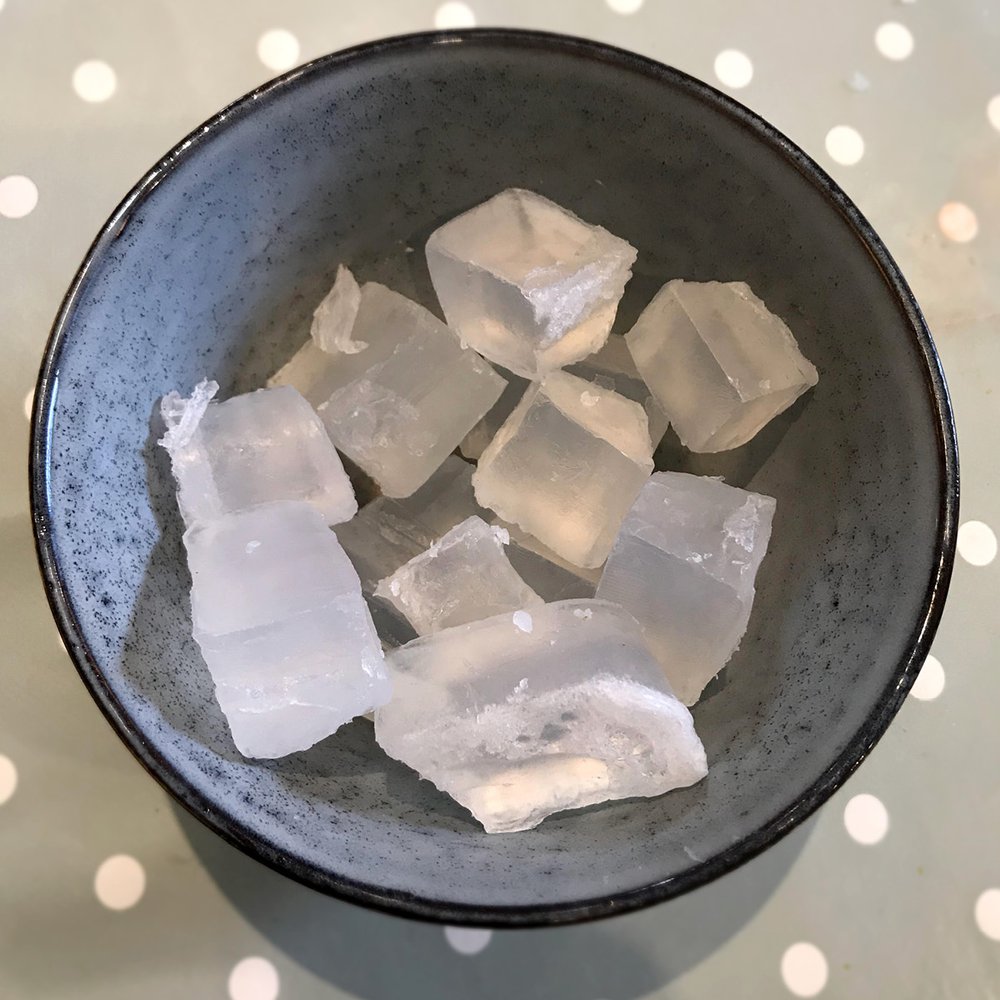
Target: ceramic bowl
(212,265)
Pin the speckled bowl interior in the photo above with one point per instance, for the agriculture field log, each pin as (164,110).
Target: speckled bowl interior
(212,266)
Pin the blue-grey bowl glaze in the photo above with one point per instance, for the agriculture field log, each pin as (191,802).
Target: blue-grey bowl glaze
(212,265)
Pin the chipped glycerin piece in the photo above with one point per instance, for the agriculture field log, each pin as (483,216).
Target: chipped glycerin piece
(526,714)
(279,617)
(719,363)
(527,283)
(402,403)
(462,577)
(567,465)
(260,447)
(683,566)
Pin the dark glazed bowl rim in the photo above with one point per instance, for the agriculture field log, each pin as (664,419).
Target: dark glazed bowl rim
(405,904)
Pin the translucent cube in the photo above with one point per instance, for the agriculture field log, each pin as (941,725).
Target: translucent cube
(279,617)
(526,283)
(684,566)
(567,465)
(525,714)
(402,403)
(256,448)
(718,362)
(461,578)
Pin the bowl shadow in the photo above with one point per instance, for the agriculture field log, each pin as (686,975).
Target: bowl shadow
(375,956)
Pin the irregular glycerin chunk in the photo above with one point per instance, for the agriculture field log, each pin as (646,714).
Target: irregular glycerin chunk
(527,283)
(683,566)
(719,363)
(396,391)
(282,625)
(567,465)
(525,714)
(256,448)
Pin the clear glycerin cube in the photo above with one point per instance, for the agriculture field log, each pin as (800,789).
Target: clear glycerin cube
(526,714)
(463,577)
(527,283)
(282,625)
(399,392)
(567,465)
(256,448)
(684,566)
(719,363)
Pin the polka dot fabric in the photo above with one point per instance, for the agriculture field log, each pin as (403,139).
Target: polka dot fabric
(110,890)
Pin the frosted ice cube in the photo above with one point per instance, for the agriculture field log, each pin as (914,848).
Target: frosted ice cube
(719,363)
(517,722)
(684,565)
(613,367)
(399,406)
(567,465)
(462,577)
(256,448)
(527,283)
(279,617)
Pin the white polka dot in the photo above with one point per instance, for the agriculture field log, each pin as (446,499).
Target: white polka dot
(958,222)
(94,81)
(120,882)
(894,41)
(976,543)
(278,49)
(625,6)
(467,940)
(733,68)
(18,196)
(254,978)
(845,145)
(454,15)
(804,969)
(993,112)
(8,778)
(866,819)
(988,913)
(930,681)
(29,400)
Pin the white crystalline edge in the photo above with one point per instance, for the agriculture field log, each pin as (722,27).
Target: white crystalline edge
(628,697)
(182,416)
(333,319)
(564,305)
